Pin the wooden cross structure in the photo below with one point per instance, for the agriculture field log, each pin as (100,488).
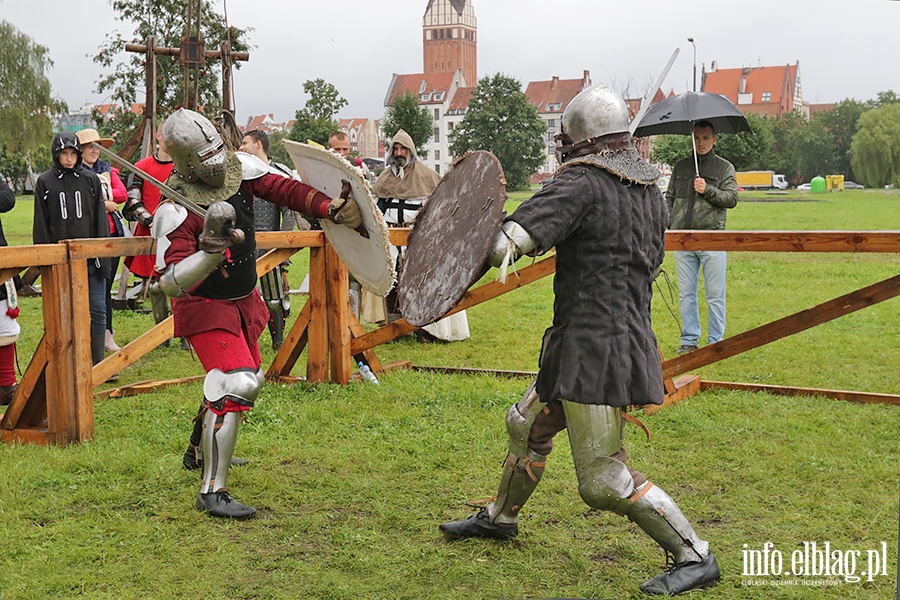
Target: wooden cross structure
(192,55)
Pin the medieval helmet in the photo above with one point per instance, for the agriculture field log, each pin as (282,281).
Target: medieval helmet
(593,113)
(196,147)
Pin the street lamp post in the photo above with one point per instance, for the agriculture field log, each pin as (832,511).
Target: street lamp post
(691,40)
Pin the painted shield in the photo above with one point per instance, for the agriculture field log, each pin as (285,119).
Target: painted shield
(449,245)
(367,258)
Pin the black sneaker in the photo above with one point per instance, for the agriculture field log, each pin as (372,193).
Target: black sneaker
(685,348)
(193,461)
(478,526)
(683,577)
(221,504)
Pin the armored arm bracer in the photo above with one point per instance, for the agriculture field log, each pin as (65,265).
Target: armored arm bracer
(182,277)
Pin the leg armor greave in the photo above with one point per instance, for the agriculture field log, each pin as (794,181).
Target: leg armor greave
(273,290)
(595,435)
(225,394)
(218,441)
(523,468)
(657,514)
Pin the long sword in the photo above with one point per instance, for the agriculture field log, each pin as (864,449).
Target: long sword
(645,102)
(169,192)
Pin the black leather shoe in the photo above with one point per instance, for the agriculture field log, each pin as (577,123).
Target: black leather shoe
(221,504)
(192,460)
(7,392)
(478,526)
(685,348)
(683,577)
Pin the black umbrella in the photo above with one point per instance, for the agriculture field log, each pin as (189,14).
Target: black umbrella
(678,115)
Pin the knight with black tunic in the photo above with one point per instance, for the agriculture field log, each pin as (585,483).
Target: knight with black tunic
(208,267)
(607,219)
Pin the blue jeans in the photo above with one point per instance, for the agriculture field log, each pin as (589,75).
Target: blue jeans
(687,267)
(97,303)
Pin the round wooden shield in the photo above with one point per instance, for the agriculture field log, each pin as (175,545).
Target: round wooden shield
(367,258)
(449,245)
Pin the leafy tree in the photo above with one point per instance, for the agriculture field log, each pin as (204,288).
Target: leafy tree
(748,151)
(406,114)
(840,123)
(315,121)
(276,148)
(25,101)
(876,146)
(166,20)
(888,97)
(782,158)
(669,149)
(502,119)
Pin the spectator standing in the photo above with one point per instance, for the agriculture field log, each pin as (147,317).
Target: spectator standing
(114,194)
(699,200)
(69,204)
(9,311)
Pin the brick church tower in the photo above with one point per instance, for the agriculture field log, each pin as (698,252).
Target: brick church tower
(449,38)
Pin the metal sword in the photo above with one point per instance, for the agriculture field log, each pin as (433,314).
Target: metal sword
(645,102)
(169,192)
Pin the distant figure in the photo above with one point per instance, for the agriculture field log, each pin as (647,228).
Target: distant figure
(269,217)
(114,194)
(69,203)
(699,201)
(339,143)
(9,312)
(402,190)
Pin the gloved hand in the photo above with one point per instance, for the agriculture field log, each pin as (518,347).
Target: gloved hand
(344,210)
(219,232)
(134,209)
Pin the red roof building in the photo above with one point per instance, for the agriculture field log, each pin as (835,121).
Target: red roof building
(773,91)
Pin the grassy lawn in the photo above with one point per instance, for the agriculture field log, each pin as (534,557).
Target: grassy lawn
(351,482)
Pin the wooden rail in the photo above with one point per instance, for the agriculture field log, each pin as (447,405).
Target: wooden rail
(54,402)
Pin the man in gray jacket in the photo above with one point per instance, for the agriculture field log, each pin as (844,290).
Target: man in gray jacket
(699,201)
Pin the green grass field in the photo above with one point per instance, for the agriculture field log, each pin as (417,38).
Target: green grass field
(351,482)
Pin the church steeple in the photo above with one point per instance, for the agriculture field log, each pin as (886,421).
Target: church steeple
(449,38)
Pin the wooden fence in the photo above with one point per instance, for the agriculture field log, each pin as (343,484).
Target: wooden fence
(54,402)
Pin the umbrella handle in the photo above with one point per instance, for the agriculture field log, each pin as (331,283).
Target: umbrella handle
(696,162)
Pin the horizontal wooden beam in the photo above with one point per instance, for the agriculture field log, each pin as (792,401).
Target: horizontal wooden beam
(795,323)
(473,297)
(42,255)
(784,390)
(785,241)
(289,239)
(163,51)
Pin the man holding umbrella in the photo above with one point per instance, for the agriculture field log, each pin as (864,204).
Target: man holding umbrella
(701,189)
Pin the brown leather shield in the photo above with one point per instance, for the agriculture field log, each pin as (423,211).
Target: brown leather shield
(453,234)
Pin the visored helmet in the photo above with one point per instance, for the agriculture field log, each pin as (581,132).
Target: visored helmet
(595,112)
(196,147)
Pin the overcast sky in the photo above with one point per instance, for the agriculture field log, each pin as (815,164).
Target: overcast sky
(845,49)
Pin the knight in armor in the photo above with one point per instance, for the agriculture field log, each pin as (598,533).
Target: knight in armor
(207,266)
(143,200)
(402,190)
(271,217)
(606,218)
